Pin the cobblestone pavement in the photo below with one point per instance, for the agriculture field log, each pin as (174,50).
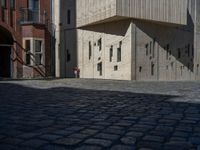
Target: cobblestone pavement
(99,114)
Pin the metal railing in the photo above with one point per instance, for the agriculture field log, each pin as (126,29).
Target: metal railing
(32,16)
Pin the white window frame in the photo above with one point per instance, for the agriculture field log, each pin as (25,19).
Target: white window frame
(32,50)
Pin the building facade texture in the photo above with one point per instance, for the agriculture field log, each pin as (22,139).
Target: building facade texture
(26,42)
(138,39)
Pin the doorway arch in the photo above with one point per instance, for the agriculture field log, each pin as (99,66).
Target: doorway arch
(6,43)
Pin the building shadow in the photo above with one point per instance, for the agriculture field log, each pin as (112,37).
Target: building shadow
(40,118)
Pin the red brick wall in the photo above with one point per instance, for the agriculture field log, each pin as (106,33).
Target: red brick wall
(32,30)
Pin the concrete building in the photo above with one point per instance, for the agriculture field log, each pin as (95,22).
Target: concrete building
(138,39)
(26,38)
(66,37)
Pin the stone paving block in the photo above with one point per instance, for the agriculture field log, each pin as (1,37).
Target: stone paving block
(88,147)
(34,143)
(114,131)
(79,135)
(28,135)
(122,147)
(52,147)
(177,145)
(50,137)
(154,138)
(12,141)
(178,139)
(181,134)
(135,134)
(63,132)
(150,144)
(128,140)
(107,136)
(100,142)
(89,131)
(68,141)
(195,140)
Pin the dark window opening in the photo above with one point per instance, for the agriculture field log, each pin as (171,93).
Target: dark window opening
(118,54)
(68,16)
(90,50)
(192,50)
(146,46)
(28,53)
(179,53)
(154,42)
(152,69)
(100,44)
(150,51)
(197,69)
(68,56)
(140,69)
(4,4)
(115,68)
(188,50)
(12,4)
(38,52)
(167,51)
(99,68)
(111,53)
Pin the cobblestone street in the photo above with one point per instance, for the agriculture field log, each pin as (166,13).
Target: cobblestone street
(99,114)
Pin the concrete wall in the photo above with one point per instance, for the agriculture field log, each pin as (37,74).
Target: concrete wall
(98,11)
(111,34)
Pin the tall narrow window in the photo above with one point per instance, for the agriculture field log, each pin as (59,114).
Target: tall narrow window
(99,68)
(167,51)
(33,13)
(3,10)
(68,16)
(179,53)
(38,52)
(4,3)
(100,44)
(119,52)
(12,4)
(111,53)
(154,43)
(188,50)
(152,69)
(147,51)
(197,69)
(192,50)
(150,50)
(28,52)
(90,50)
(68,56)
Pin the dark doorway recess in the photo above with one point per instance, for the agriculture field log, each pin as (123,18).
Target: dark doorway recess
(5,64)
(6,42)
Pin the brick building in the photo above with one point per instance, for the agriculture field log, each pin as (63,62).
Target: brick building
(26,38)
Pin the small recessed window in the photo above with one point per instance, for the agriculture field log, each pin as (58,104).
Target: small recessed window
(140,69)
(115,68)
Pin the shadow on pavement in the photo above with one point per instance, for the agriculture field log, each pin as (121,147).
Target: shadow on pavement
(67,118)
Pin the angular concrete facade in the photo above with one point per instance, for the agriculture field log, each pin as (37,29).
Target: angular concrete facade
(133,39)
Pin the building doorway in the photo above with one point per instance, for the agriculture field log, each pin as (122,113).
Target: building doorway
(6,42)
(5,63)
